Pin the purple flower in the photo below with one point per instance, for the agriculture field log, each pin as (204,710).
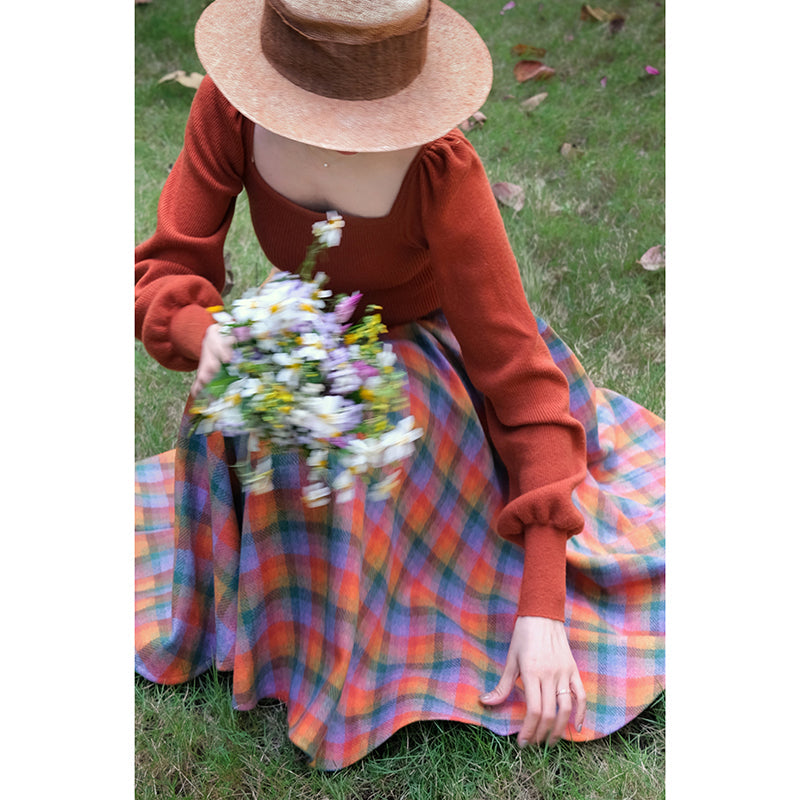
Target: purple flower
(345,380)
(364,370)
(346,306)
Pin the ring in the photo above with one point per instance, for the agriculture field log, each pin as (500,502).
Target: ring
(563,691)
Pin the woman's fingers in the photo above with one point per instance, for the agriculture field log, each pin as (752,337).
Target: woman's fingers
(563,700)
(539,654)
(205,372)
(217,349)
(503,689)
(534,712)
(219,346)
(578,692)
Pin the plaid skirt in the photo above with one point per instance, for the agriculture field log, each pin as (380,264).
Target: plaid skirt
(365,616)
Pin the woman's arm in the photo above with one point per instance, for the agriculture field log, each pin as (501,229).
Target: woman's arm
(180,270)
(527,403)
(527,396)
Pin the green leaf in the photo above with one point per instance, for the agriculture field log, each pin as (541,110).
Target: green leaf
(220,382)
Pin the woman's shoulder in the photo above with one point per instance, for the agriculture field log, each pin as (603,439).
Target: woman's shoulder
(449,166)
(215,127)
(449,154)
(209,99)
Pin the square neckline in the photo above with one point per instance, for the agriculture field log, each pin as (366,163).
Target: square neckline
(250,159)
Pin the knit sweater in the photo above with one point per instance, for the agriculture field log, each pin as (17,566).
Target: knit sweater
(443,247)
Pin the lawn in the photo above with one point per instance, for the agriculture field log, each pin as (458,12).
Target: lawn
(592,209)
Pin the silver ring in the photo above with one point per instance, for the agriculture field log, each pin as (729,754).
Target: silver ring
(563,691)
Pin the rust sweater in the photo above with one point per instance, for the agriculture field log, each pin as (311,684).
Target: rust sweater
(442,246)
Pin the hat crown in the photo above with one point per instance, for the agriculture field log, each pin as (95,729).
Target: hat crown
(354,14)
(364,53)
(353,20)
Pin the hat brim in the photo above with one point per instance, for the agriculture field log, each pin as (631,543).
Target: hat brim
(453,84)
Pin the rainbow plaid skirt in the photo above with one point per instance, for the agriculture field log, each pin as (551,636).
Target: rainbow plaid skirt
(365,616)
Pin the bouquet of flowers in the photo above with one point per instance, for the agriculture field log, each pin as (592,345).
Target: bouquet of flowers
(304,377)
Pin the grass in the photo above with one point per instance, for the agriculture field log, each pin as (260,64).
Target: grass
(585,223)
(190,743)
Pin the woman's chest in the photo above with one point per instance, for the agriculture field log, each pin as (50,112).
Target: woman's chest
(360,184)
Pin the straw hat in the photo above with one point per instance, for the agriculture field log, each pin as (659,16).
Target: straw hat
(346,74)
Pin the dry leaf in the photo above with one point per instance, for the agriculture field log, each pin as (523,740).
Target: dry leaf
(528,51)
(597,14)
(192,81)
(654,258)
(532,102)
(570,150)
(475,121)
(532,70)
(509,194)
(615,21)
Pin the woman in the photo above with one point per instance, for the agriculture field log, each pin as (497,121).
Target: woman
(368,616)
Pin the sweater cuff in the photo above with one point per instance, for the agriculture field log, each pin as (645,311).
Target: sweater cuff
(187,329)
(544,576)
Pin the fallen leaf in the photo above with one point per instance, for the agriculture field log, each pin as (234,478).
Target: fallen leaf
(192,81)
(597,14)
(569,150)
(532,70)
(528,51)
(534,101)
(615,20)
(509,194)
(651,70)
(475,121)
(653,259)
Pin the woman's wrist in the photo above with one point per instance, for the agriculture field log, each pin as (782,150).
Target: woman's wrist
(543,592)
(188,329)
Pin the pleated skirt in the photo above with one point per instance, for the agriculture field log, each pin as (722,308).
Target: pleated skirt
(365,616)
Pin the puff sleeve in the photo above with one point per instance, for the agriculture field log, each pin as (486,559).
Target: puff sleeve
(180,270)
(527,397)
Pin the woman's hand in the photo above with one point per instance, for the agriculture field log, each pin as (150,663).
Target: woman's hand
(539,653)
(216,350)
